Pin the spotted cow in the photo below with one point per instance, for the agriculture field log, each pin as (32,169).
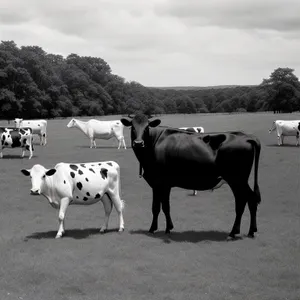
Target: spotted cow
(38,127)
(16,138)
(82,184)
(198,129)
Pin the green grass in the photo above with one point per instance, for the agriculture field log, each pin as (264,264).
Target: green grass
(194,262)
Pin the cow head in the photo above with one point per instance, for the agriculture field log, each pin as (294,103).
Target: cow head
(18,122)
(72,123)
(38,176)
(139,124)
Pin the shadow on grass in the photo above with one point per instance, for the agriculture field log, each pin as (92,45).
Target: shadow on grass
(77,234)
(187,236)
(14,156)
(283,146)
(100,147)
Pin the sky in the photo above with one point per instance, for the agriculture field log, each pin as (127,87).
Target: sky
(164,42)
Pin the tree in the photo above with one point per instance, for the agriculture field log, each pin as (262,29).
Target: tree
(283,88)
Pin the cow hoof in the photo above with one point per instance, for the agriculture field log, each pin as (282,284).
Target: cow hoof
(151,231)
(58,236)
(251,235)
(103,230)
(121,230)
(231,238)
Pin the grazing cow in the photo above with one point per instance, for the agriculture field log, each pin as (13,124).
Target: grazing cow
(95,129)
(285,128)
(172,157)
(38,127)
(193,129)
(83,184)
(13,138)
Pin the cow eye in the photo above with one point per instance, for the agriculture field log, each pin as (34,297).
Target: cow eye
(44,176)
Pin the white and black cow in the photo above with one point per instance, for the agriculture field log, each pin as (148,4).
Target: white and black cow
(38,127)
(196,129)
(95,129)
(16,138)
(82,184)
(285,128)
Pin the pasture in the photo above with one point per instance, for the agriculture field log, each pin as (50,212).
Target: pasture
(194,262)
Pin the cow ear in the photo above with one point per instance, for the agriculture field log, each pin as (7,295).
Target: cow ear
(154,123)
(50,172)
(25,172)
(126,122)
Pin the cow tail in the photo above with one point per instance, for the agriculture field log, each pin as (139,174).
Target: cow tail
(120,189)
(256,145)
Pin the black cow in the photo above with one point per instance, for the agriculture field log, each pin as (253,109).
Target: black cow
(172,157)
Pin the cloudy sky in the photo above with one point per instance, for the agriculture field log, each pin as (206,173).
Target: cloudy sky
(164,42)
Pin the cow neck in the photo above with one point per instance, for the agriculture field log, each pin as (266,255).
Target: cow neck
(48,190)
(81,125)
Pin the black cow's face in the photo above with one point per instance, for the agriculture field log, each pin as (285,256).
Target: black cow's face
(139,129)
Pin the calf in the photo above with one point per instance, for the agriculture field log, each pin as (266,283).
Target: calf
(38,127)
(16,138)
(82,184)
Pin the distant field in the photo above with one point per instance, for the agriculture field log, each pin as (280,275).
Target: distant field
(194,262)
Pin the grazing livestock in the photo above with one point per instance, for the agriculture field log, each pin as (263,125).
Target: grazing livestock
(193,129)
(82,184)
(95,129)
(38,127)
(285,128)
(172,157)
(16,138)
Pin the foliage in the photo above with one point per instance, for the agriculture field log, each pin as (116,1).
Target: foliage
(36,84)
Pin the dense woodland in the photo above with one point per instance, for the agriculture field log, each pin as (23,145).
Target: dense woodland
(35,84)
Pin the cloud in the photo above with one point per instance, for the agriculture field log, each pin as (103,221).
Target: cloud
(164,42)
(255,14)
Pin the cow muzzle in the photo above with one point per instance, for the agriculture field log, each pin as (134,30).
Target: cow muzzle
(138,144)
(35,192)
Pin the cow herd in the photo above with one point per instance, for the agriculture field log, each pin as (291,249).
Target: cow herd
(184,157)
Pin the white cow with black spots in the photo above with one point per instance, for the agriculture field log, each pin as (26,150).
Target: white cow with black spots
(38,127)
(16,138)
(95,129)
(83,184)
(198,129)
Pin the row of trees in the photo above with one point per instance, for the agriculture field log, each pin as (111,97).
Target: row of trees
(35,84)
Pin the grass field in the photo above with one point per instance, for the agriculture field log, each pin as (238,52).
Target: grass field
(194,262)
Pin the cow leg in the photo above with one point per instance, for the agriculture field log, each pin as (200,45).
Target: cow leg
(155,209)
(279,140)
(119,205)
(123,141)
(252,205)
(119,143)
(23,152)
(92,143)
(282,139)
(1,153)
(240,203)
(165,202)
(107,204)
(194,192)
(64,203)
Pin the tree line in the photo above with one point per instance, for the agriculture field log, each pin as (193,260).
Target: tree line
(36,84)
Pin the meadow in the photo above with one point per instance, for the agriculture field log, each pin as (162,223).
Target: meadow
(194,262)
